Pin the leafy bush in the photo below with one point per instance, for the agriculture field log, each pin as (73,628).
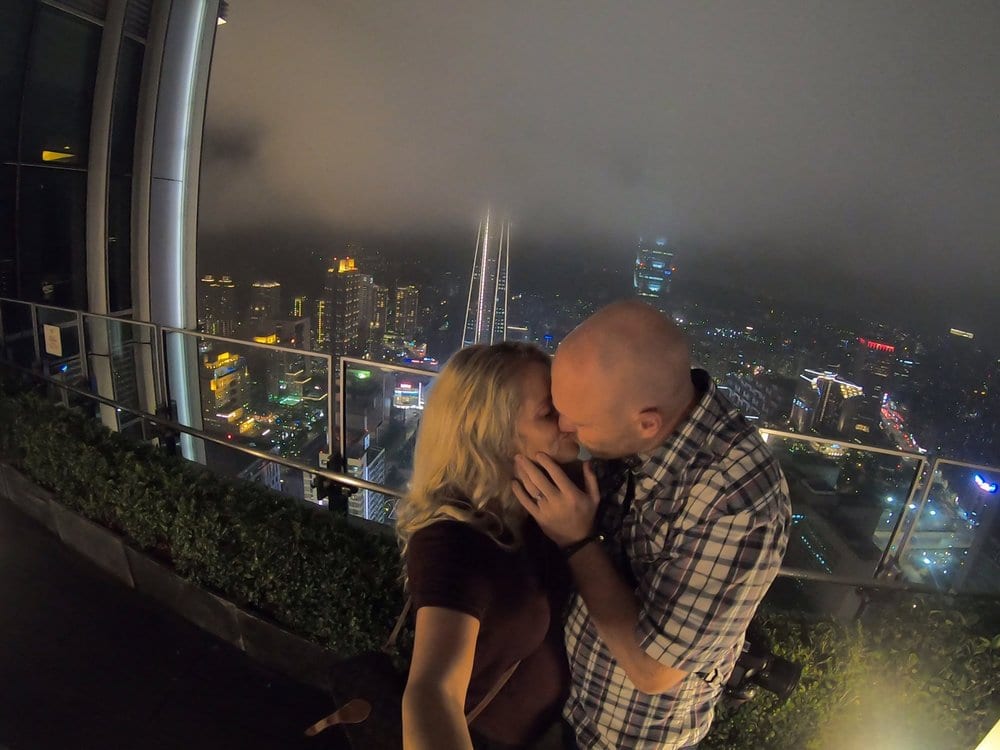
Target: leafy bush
(305,568)
(915,673)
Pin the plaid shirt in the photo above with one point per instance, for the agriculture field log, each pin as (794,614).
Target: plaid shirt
(702,541)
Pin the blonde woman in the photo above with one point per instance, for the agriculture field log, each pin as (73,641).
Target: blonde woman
(487,586)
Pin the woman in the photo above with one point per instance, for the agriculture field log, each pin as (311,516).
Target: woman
(487,586)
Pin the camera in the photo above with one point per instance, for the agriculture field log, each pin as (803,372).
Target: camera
(758,668)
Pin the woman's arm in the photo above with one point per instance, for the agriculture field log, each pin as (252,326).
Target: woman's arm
(434,700)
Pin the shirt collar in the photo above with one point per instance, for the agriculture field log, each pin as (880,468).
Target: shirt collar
(689,436)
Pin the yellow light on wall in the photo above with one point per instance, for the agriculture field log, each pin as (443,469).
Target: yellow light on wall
(57,155)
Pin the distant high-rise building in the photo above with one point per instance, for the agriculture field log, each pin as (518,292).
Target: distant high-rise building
(366,308)
(380,319)
(819,401)
(407,306)
(265,305)
(300,307)
(486,309)
(217,305)
(874,365)
(321,325)
(654,270)
(224,390)
(342,297)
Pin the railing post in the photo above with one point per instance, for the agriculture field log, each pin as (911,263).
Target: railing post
(907,531)
(342,409)
(34,334)
(887,558)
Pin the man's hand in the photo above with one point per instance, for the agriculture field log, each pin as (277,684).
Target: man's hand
(563,511)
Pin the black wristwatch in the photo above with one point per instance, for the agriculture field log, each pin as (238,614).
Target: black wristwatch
(571,549)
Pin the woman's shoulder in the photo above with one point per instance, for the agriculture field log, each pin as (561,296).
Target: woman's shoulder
(450,534)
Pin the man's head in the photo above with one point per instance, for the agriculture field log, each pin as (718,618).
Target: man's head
(622,380)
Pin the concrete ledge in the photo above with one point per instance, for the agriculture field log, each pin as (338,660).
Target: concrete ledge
(102,547)
(284,651)
(28,497)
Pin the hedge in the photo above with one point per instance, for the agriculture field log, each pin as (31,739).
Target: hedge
(305,568)
(915,673)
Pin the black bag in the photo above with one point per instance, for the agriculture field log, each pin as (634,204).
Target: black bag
(378,711)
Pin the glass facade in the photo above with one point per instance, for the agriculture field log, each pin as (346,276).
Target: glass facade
(49,60)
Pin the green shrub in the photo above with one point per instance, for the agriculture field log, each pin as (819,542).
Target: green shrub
(917,673)
(305,568)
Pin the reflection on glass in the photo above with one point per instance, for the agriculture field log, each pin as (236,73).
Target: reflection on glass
(955,542)
(844,505)
(59,89)
(17,345)
(382,410)
(53,256)
(8,247)
(15,25)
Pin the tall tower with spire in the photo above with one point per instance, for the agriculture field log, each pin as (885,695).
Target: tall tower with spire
(486,309)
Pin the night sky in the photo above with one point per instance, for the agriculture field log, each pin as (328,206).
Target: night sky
(844,152)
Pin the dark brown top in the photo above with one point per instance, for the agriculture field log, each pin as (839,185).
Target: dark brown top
(518,597)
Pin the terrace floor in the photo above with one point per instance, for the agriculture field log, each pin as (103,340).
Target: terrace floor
(87,663)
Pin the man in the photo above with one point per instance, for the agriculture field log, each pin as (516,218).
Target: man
(671,571)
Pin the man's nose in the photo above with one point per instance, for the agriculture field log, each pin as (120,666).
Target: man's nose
(565,425)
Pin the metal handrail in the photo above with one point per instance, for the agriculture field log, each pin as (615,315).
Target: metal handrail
(346,479)
(334,476)
(840,443)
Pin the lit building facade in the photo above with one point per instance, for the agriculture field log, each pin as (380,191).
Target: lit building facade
(486,308)
(653,272)
(343,307)
(406,312)
(265,305)
(217,305)
(819,401)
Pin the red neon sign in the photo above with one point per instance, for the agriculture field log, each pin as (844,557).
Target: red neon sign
(877,346)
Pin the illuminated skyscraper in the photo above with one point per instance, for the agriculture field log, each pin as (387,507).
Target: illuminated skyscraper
(654,269)
(407,306)
(343,306)
(217,305)
(486,309)
(265,305)
(300,307)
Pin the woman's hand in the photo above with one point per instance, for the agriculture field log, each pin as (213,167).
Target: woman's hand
(562,510)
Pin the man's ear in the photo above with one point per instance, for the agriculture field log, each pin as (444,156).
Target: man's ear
(650,423)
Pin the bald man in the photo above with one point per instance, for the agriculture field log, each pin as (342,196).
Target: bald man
(671,566)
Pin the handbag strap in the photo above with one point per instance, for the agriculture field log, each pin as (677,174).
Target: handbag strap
(390,644)
(470,717)
(488,698)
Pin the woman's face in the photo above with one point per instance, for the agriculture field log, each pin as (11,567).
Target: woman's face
(538,421)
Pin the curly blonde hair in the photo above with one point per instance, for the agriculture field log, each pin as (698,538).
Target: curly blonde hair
(463,461)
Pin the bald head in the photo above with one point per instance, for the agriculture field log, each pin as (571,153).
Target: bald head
(627,360)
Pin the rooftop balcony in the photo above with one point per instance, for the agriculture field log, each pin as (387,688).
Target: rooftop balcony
(888,596)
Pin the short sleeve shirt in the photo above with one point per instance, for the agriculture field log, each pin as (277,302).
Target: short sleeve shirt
(701,541)
(518,595)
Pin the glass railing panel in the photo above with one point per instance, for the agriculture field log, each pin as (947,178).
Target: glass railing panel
(380,416)
(270,398)
(17,335)
(123,364)
(61,349)
(954,542)
(846,502)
